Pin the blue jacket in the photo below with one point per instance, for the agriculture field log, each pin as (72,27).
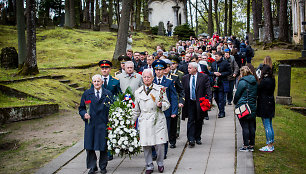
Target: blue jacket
(96,128)
(171,95)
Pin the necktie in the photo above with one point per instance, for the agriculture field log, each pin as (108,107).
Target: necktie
(98,95)
(159,81)
(105,82)
(193,96)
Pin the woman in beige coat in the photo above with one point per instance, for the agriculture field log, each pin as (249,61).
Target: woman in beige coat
(148,107)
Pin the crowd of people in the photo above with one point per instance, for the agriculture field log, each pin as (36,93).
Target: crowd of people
(193,70)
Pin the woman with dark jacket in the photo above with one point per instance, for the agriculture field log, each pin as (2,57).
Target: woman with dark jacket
(266,105)
(246,94)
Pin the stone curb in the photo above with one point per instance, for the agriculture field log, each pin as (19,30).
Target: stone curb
(57,163)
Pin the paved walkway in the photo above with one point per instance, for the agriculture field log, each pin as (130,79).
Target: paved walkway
(217,155)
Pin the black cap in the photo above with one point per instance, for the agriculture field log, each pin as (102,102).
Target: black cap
(174,59)
(142,53)
(105,64)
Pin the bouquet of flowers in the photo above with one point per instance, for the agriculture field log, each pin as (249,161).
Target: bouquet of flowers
(123,137)
(161,96)
(205,104)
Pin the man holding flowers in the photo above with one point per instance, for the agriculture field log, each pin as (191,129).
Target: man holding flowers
(150,102)
(94,109)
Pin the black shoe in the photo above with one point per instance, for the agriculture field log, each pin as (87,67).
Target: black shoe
(206,118)
(221,115)
(103,171)
(229,103)
(93,170)
(149,171)
(110,158)
(199,142)
(154,158)
(161,169)
(165,157)
(172,146)
(191,144)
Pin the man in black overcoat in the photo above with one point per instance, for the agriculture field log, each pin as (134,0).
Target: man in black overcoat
(196,85)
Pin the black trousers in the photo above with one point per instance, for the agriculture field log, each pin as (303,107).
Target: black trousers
(91,160)
(194,124)
(173,130)
(248,131)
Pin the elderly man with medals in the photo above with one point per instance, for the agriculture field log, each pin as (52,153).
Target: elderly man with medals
(150,103)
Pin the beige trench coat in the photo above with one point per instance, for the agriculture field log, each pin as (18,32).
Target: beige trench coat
(145,110)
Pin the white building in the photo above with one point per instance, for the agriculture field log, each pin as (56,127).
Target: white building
(174,11)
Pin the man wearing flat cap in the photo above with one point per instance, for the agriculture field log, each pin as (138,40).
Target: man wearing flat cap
(160,79)
(122,59)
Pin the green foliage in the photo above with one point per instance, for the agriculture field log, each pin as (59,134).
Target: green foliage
(183,32)
(154,30)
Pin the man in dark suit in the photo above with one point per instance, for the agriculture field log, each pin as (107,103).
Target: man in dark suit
(160,79)
(150,60)
(220,70)
(196,85)
(137,62)
(181,99)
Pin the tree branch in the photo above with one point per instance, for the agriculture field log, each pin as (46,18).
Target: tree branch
(199,12)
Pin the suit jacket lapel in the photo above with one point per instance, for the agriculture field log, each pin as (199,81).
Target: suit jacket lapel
(198,81)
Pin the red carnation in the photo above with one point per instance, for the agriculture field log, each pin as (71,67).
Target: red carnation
(109,128)
(87,101)
(205,104)
(133,105)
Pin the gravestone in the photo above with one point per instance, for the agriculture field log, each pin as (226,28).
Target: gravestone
(161,29)
(9,58)
(284,80)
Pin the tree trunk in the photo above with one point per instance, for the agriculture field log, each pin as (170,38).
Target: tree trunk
(145,10)
(86,12)
(137,14)
(283,21)
(72,14)
(216,16)
(255,19)
(248,16)
(196,17)
(110,12)
(97,21)
(22,46)
(210,26)
(225,17)
(92,13)
(104,13)
(230,17)
(30,65)
(190,12)
(123,29)
(67,13)
(277,2)
(269,36)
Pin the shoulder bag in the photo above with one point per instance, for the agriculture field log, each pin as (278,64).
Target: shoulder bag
(243,110)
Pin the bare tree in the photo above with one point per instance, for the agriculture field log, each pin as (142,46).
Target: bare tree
(110,12)
(72,14)
(225,17)
(123,29)
(92,12)
(269,35)
(137,14)
(248,15)
(210,19)
(22,46)
(216,16)
(30,65)
(190,12)
(257,16)
(67,13)
(97,21)
(230,17)
(86,12)
(283,21)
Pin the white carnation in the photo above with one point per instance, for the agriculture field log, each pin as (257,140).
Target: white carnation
(128,105)
(131,101)
(121,132)
(122,122)
(114,141)
(117,151)
(123,147)
(131,149)
(126,142)
(128,122)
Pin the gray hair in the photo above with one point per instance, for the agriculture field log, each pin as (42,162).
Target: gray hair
(193,64)
(129,63)
(149,71)
(97,76)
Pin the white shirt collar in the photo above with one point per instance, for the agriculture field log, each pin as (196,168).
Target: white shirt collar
(100,92)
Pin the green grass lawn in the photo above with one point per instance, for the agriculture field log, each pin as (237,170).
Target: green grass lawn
(289,154)
(6,101)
